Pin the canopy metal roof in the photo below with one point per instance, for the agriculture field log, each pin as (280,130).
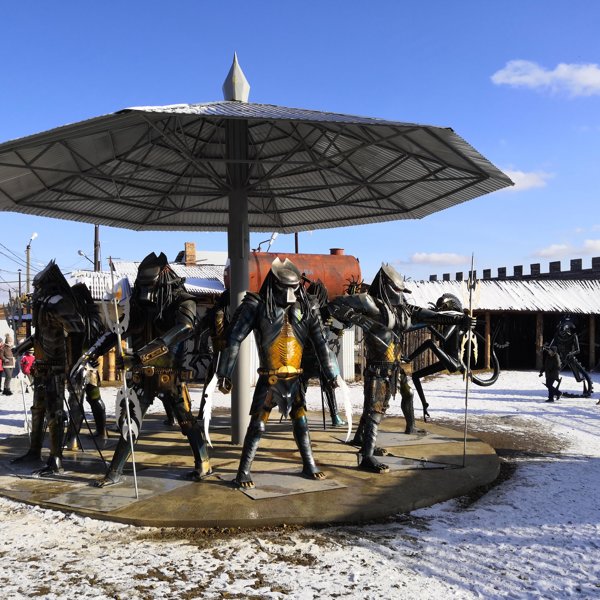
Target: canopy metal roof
(165,168)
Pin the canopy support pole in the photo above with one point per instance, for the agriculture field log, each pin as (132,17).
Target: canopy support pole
(238,245)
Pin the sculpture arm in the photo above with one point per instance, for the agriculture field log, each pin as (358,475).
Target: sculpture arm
(25,345)
(327,359)
(242,323)
(447,317)
(185,325)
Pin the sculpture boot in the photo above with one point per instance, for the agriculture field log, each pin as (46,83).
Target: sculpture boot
(117,464)
(34,454)
(202,466)
(54,466)
(357,440)
(75,423)
(408,410)
(99,413)
(255,430)
(302,437)
(336,420)
(367,460)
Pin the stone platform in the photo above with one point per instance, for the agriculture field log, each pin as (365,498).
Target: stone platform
(424,469)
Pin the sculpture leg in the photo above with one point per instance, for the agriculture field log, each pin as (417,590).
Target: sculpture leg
(336,420)
(416,379)
(367,459)
(123,449)
(255,430)
(92,393)
(181,408)
(407,406)
(38,410)
(302,437)
(75,422)
(55,416)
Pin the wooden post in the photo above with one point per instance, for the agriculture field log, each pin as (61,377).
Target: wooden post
(539,339)
(488,340)
(592,338)
(112,357)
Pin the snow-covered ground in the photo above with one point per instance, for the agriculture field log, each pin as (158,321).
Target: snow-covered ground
(535,535)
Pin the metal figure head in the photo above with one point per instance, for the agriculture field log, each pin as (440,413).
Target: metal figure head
(286,282)
(317,290)
(566,328)
(148,275)
(389,286)
(448,302)
(48,281)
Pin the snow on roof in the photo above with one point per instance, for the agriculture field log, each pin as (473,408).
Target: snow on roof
(549,295)
(199,279)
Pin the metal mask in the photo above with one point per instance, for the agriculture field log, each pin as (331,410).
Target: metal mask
(286,281)
(147,277)
(393,285)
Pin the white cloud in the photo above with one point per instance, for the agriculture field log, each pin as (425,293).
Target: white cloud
(572,79)
(591,247)
(555,251)
(527,181)
(438,258)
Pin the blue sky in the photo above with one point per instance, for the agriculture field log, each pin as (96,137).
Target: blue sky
(518,79)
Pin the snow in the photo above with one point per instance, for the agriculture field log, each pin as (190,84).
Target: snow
(534,535)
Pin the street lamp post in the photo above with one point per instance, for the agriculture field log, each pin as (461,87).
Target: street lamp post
(28,263)
(82,253)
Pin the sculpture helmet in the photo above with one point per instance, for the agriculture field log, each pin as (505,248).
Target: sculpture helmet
(566,328)
(147,278)
(389,286)
(50,280)
(448,302)
(285,282)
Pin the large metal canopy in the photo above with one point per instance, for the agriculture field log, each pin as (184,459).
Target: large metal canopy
(166,168)
(235,166)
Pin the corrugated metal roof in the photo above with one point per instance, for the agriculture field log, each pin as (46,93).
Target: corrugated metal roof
(548,295)
(200,280)
(165,168)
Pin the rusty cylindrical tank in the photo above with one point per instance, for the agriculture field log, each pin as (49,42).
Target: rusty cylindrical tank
(336,270)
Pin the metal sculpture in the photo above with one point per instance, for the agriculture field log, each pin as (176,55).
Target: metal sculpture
(567,345)
(284,321)
(384,315)
(162,316)
(445,344)
(58,326)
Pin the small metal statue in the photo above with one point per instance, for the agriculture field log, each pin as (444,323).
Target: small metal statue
(311,367)
(384,316)
(284,320)
(551,369)
(89,387)
(162,316)
(445,344)
(58,325)
(567,344)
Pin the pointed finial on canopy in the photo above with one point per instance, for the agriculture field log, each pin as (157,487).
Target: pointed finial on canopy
(236,86)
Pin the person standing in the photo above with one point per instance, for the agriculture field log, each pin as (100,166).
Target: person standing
(8,363)
(26,365)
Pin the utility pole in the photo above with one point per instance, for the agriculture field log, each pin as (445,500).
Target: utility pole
(97,263)
(20,293)
(28,263)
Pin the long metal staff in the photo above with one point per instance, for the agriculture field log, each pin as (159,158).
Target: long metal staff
(123,374)
(469,334)
(26,419)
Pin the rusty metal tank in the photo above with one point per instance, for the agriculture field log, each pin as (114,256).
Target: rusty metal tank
(336,269)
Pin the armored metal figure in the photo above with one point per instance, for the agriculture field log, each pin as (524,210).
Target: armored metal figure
(89,386)
(162,316)
(567,344)
(384,316)
(311,367)
(284,320)
(445,344)
(551,367)
(58,327)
